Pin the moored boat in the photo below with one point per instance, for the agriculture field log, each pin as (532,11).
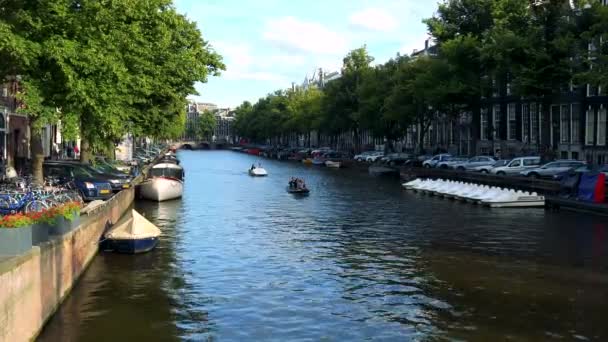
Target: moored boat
(318,161)
(164,182)
(333,164)
(132,235)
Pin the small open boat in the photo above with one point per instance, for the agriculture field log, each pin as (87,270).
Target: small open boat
(132,235)
(258,171)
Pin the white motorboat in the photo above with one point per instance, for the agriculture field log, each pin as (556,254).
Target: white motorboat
(258,171)
(333,164)
(165,182)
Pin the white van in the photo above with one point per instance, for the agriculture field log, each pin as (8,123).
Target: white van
(516,165)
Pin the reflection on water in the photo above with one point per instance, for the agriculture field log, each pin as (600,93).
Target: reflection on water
(240,259)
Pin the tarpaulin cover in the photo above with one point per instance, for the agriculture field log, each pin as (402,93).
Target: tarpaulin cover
(569,184)
(591,187)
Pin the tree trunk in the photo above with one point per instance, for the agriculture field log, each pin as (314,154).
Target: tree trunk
(357,140)
(85,149)
(37,155)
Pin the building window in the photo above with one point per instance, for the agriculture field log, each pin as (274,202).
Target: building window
(496,122)
(590,126)
(525,122)
(601,126)
(484,124)
(534,115)
(511,122)
(575,125)
(564,127)
(592,90)
(564,155)
(575,155)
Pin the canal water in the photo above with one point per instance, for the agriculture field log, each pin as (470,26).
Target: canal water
(358,259)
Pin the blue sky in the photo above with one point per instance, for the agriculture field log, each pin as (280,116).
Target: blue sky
(267,44)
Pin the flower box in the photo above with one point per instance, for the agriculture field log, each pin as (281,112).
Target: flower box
(15,241)
(63,225)
(40,233)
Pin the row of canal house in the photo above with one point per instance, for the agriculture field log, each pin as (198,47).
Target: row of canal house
(575,126)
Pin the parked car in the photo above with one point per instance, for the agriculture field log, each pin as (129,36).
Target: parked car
(117,179)
(120,166)
(372,158)
(474,162)
(487,168)
(516,165)
(435,160)
(363,156)
(551,169)
(448,164)
(394,159)
(90,186)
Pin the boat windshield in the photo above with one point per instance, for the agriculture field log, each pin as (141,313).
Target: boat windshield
(167,172)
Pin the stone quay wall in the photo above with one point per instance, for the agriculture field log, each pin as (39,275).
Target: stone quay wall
(33,285)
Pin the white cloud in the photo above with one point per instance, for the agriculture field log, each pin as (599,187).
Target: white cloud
(374,19)
(253,75)
(241,64)
(297,35)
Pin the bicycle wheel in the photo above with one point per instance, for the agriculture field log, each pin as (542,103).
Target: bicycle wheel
(35,206)
(4,204)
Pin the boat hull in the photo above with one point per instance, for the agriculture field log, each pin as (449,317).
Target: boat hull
(516,204)
(161,189)
(297,191)
(134,246)
(258,173)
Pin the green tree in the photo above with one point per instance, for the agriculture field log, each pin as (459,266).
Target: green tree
(115,66)
(534,46)
(423,89)
(593,23)
(459,28)
(205,125)
(341,107)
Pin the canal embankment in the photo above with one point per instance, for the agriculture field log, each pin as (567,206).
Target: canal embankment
(33,285)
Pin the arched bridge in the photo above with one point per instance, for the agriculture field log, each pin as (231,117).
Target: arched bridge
(200,145)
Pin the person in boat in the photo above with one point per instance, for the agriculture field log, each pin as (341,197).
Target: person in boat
(252,167)
(292,183)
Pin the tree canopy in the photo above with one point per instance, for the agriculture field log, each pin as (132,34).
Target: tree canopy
(113,66)
(537,48)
